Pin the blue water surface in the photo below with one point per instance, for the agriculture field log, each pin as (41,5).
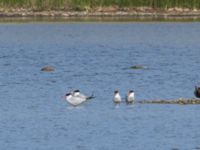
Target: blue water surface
(95,58)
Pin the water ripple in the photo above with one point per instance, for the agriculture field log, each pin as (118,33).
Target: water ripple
(96,58)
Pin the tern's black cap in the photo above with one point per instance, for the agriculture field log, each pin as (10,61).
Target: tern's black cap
(76,91)
(68,94)
(116,91)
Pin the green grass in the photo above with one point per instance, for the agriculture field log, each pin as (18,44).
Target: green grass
(81,4)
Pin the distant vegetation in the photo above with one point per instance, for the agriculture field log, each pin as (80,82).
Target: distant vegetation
(140,3)
(83,4)
(35,4)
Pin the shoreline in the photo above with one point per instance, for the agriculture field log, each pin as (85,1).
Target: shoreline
(105,12)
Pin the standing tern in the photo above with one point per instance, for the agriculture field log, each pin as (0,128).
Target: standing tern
(117,97)
(130,97)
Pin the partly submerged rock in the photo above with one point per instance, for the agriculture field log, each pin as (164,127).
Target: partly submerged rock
(48,69)
(178,101)
(137,67)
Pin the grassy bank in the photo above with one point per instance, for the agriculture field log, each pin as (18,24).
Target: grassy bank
(89,4)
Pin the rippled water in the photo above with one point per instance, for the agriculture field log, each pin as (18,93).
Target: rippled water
(95,58)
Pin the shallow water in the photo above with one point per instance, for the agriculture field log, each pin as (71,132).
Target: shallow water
(95,58)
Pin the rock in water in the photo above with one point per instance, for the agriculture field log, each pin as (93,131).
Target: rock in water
(137,67)
(48,69)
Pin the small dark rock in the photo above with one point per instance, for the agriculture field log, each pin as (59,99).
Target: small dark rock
(137,67)
(48,69)
(175,149)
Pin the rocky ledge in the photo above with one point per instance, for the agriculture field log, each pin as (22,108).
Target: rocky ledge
(180,101)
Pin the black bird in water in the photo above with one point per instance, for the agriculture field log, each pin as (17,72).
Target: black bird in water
(197,91)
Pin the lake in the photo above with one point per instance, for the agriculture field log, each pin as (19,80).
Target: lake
(96,57)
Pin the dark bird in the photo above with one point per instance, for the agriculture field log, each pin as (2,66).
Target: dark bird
(197,91)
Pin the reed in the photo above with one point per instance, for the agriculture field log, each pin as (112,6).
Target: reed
(35,4)
(141,3)
(63,4)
